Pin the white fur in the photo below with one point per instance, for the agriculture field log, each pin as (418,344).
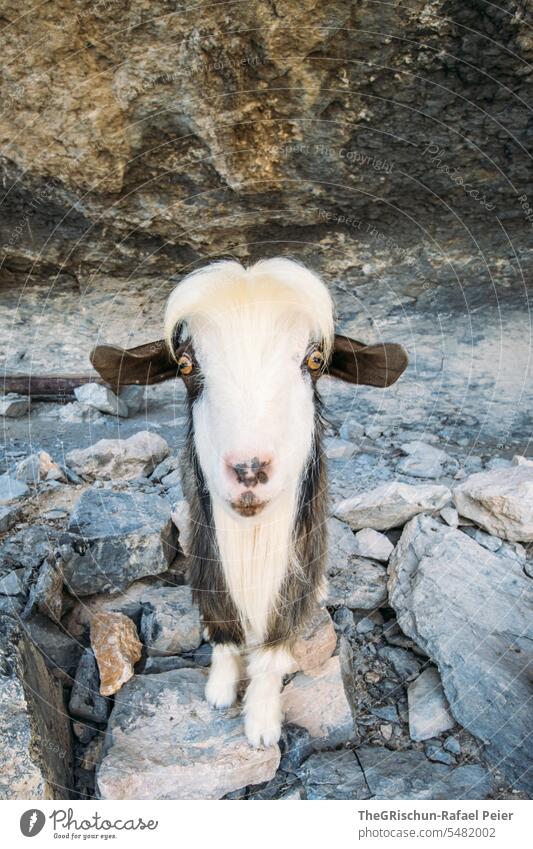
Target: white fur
(262,704)
(224,675)
(251,329)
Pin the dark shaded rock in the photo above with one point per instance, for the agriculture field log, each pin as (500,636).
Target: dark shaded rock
(46,594)
(117,537)
(85,699)
(58,649)
(35,745)
(403,662)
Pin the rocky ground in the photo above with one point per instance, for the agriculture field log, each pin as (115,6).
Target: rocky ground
(410,683)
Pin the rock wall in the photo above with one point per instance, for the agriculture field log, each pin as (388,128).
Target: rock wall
(136,137)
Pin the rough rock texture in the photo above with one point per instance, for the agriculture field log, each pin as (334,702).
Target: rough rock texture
(409,775)
(372,544)
(117,537)
(429,715)
(201,752)
(120,458)
(86,700)
(391,505)
(438,575)
(117,649)
(317,643)
(101,398)
(35,745)
(361,584)
(181,516)
(501,501)
(13,406)
(170,623)
(317,702)
(11,489)
(117,141)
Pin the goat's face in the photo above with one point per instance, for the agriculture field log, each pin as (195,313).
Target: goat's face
(250,363)
(254,416)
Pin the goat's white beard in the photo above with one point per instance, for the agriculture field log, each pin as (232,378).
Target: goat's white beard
(255,559)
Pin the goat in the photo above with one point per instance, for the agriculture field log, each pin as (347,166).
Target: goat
(250,346)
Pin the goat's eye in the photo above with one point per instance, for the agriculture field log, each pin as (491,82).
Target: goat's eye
(185,364)
(315,360)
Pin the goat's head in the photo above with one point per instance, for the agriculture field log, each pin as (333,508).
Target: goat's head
(250,345)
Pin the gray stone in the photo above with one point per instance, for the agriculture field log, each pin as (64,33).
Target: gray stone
(197,753)
(450,516)
(471,611)
(181,516)
(343,619)
(28,470)
(351,430)
(422,461)
(451,744)
(203,654)
(501,501)
(46,593)
(173,479)
(361,584)
(170,622)
(389,713)
(372,544)
(117,538)
(335,449)
(365,625)
(11,489)
(27,548)
(9,516)
(333,775)
(341,544)
(429,713)
(35,744)
(85,699)
(486,540)
(410,775)
(391,505)
(123,459)
(435,752)
(165,467)
(134,397)
(101,398)
(403,662)
(11,583)
(155,665)
(14,406)
(60,651)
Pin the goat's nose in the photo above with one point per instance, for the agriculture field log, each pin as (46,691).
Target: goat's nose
(249,472)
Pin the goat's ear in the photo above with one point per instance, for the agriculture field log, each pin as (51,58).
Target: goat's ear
(146,364)
(372,365)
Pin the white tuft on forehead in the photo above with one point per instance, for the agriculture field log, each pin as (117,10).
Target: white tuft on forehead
(273,291)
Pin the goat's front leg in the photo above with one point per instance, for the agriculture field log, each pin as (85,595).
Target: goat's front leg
(262,702)
(224,675)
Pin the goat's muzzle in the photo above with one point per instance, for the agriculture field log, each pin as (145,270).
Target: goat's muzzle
(248,504)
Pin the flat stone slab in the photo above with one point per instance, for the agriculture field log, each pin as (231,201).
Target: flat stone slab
(165,742)
(317,702)
(360,585)
(429,714)
(170,622)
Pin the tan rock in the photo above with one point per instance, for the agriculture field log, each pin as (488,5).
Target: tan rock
(120,458)
(317,701)
(116,647)
(317,643)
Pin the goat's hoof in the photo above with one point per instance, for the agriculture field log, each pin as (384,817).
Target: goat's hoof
(220,694)
(262,731)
